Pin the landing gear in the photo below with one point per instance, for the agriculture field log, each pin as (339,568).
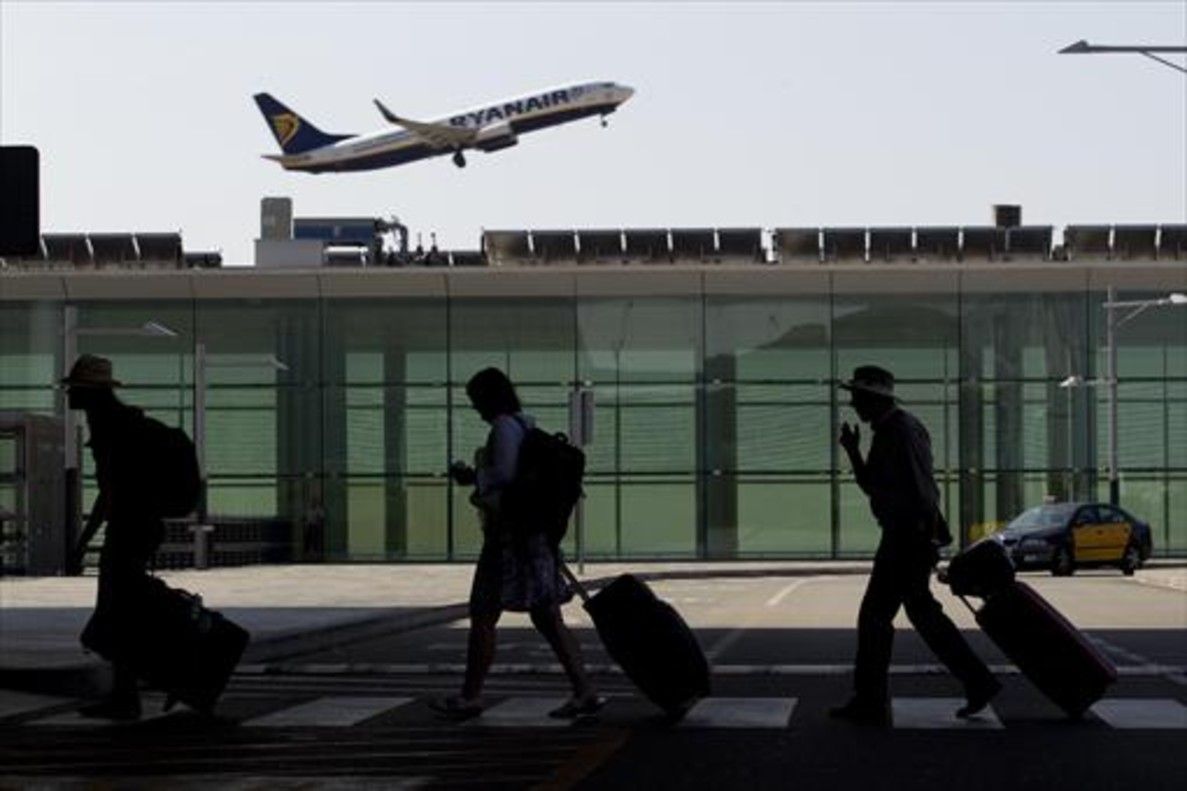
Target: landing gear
(459,158)
(605,123)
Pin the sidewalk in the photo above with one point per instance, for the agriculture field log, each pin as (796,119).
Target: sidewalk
(296,609)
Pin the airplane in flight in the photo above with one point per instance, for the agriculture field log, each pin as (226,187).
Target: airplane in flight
(491,128)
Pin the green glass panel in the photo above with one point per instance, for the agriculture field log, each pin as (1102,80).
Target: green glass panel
(467,525)
(427,522)
(250,497)
(366,520)
(30,341)
(859,533)
(402,340)
(530,340)
(600,527)
(784,516)
(655,339)
(658,518)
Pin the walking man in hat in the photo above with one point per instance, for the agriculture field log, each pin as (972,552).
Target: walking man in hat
(134,530)
(897,478)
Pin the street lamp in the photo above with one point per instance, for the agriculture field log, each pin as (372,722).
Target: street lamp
(1135,307)
(1082,47)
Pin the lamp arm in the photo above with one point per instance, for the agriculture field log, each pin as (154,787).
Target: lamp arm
(1134,313)
(1164,61)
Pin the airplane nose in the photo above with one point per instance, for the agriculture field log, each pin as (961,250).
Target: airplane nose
(624,93)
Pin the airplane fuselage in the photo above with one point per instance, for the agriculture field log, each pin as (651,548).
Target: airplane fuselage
(498,126)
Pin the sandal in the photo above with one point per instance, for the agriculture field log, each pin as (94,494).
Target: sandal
(578,708)
(456,707)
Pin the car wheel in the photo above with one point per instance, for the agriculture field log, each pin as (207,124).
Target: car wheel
(1062,565)
(1131,561)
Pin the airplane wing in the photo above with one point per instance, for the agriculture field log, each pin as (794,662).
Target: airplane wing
(436,135)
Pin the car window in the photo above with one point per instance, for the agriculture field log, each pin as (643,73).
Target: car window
(1086,516)
(1042,517)
(1110,514)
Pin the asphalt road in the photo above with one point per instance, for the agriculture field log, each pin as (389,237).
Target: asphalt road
(357,716)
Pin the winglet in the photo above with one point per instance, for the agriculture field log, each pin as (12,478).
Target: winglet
(388,114)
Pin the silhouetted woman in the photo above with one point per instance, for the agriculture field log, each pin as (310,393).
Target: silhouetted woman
(516,571)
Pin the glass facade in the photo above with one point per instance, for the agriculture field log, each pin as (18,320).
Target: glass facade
(716,407)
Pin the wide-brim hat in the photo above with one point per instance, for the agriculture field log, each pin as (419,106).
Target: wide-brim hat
(871,379)
(90,370)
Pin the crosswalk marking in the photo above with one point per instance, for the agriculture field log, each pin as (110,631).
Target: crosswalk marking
(939,713)
(531,711)
(13,703)
(334,711)
(150,706)
(1125,713)
(739,713)
(525,712)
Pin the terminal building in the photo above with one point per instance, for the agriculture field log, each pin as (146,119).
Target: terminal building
(328,379)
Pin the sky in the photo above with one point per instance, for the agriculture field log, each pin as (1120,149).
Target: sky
(762,114)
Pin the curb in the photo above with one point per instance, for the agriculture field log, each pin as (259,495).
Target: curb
(84,680)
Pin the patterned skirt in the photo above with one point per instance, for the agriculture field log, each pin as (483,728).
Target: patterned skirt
(520,575)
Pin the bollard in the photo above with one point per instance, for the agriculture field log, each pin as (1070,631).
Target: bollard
(202,542)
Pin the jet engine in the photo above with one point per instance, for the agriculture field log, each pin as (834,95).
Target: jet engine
(496,137)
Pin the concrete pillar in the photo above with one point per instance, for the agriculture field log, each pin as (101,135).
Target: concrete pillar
(1008,415)
(971,441)
(394,454)
(717,458)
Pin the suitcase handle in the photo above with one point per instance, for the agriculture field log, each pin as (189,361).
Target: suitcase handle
(966,604)
(576,583)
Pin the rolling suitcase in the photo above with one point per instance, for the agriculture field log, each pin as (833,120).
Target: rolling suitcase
(649,640)
(981,570)
(177,645)
(1046,647)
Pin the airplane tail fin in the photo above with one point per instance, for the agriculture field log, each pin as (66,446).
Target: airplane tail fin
(292,132)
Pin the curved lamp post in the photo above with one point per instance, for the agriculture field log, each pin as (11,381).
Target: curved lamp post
(1082,47)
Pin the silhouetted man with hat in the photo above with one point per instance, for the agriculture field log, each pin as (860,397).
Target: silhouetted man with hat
(134,530)
(897,477)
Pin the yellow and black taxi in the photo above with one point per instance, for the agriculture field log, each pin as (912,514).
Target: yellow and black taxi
(1065,536)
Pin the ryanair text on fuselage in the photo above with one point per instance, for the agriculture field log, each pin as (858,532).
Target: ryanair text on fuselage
(505,111)
(492,128)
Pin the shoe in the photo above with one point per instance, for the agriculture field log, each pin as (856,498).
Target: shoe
(859,712)
(456,707)
(576,709)
(978,698)
(112,709)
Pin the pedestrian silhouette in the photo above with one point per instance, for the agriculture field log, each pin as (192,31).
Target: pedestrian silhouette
(117,435)
(897,477)
(518,567)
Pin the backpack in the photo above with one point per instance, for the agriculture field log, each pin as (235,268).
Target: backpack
(172,479)
(547,485)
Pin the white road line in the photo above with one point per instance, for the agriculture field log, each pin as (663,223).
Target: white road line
(733,635)
(778,597)
(939,713)
(551,668)
(739,713)
(150,706)
(336,711)
(13,703)
(527,712)
(1151,713)
(238,782)
(1170,673)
